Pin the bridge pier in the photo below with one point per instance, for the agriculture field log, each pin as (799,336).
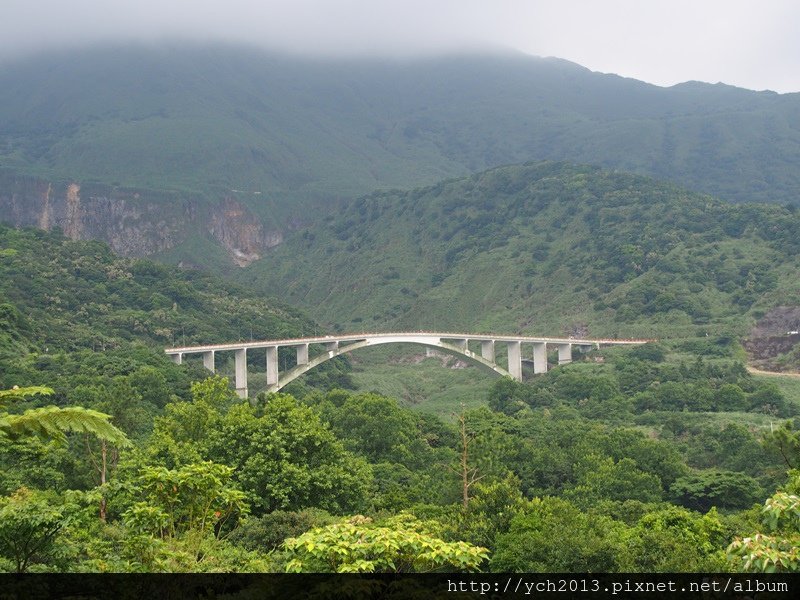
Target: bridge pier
(487,350)
(302,354)
(460,344)
(272,365)
(177,358)
(208,361)
(240,358)
(539,357)
(564,354)
(515,360)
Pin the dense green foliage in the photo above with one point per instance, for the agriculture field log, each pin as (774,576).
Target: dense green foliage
(779,548)
(64,295)
(217,119)
(220,484)
(75,315)
(283,456)
(52,422)
(399,545)
(543,248)
(650,458)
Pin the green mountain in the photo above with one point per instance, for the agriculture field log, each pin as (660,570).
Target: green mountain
(542,248)
(274,130)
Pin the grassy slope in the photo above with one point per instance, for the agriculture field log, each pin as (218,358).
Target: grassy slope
(211,118)
(545,248)
(789,385)
(435,384)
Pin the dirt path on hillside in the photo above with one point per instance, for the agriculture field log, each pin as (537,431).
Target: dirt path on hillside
(755,371)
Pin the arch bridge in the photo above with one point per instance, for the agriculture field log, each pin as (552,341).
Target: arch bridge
(462,345)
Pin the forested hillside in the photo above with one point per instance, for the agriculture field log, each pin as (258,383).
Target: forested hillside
(72,313)
(275,130)
(544,248)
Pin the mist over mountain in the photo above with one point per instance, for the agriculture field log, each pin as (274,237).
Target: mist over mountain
(284,133)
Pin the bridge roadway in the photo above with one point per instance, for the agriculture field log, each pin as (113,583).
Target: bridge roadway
(335,345)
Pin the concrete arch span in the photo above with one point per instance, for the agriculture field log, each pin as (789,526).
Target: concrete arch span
(292,374)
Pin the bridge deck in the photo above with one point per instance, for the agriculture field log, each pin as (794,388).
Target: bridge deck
(355,337)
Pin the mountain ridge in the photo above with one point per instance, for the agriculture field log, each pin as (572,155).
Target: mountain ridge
(228,151)
(300,130)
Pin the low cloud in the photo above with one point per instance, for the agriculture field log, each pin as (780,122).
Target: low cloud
(741,42)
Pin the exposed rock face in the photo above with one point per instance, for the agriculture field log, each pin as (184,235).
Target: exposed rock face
(777,322)
(133,223)
(776,333)
(240,233)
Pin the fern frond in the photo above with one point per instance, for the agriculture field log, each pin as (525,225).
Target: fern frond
(53,422)
(19,393)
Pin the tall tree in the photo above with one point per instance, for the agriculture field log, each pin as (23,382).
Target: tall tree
(468,474)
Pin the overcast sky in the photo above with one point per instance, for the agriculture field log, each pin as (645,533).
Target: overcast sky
(753,44)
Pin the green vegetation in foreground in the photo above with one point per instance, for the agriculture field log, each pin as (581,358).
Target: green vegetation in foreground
(276,130)
(553,477)
(547,249)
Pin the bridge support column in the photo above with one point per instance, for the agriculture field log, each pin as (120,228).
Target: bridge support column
(272,365)
(564,354)
(331,346)
(539,357)
(302,354)
(515,360)
(240,357)
(177,358)
(460,344)
(208,361)
(487,350)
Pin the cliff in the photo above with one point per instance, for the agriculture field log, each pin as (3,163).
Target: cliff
(133,222)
